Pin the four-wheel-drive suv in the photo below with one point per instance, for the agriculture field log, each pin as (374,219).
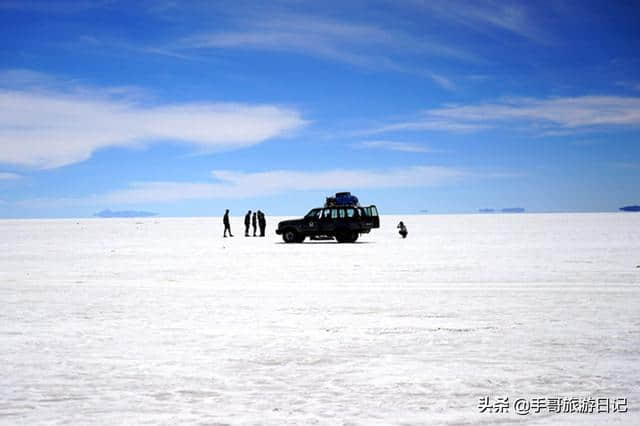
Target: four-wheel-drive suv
(344,223)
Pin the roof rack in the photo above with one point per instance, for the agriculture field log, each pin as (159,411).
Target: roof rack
(342,199)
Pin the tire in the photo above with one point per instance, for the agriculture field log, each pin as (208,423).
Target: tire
(347,237)
(291,236)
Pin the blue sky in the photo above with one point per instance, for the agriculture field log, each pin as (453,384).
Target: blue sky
(187,108)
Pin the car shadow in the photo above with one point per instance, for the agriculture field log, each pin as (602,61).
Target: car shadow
(326,242)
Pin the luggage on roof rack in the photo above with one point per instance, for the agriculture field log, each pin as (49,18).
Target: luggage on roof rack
(342,199)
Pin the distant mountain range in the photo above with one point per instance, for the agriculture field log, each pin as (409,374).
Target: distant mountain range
(630,209)
(505,210)
(124,213)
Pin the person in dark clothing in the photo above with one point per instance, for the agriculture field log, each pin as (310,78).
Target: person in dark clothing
(262,222)
(254,223)
(227,224)
(247,222)
(403,230)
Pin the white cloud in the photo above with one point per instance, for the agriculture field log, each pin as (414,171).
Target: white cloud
(570,112)
(52,129)
(9,176)
(21,77)
(633,85)
(627,165)
(479,15)
(360,45)
(442,81)
(234,184)
(394,146)
(318,36)
(428,124)
(48,6)
(554,114)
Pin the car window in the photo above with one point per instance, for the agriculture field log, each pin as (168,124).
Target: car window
(314,213)
(350,212)
(374,211)
(334,213)
(341,213)
(326,213)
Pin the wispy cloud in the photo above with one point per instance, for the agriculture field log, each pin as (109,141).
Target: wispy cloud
(30,81)
(47,129)
(58,6)
(427,123)
(121,46)
(549,115)
(9,176)
(633,85)
(315,35)
(25,78)
(444,82)
(513,17)
(360,45)
(393,146)
(233,184)
(627,165)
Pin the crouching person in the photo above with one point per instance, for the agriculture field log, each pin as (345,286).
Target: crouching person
(403,230)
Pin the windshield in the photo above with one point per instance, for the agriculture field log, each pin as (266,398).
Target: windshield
(313,213)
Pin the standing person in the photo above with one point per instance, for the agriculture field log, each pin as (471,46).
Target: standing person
(403,230)
(247,221)
(227,224)
(263,223)
(254,223)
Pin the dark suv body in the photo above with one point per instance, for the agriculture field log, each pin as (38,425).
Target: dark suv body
(344,223)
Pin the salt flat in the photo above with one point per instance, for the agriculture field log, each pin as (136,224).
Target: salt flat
(161,320)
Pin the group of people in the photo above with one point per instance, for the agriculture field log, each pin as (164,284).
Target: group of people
(257,220)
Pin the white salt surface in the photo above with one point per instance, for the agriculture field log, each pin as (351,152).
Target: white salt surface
(162,321)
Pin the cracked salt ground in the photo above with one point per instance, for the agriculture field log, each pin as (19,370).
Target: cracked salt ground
(121,321)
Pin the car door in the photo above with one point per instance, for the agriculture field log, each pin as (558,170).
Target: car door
(329,217)
(372,212)
(350,219)
(312,223)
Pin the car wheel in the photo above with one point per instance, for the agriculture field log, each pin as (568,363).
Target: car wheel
(347,237)
(290,236)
